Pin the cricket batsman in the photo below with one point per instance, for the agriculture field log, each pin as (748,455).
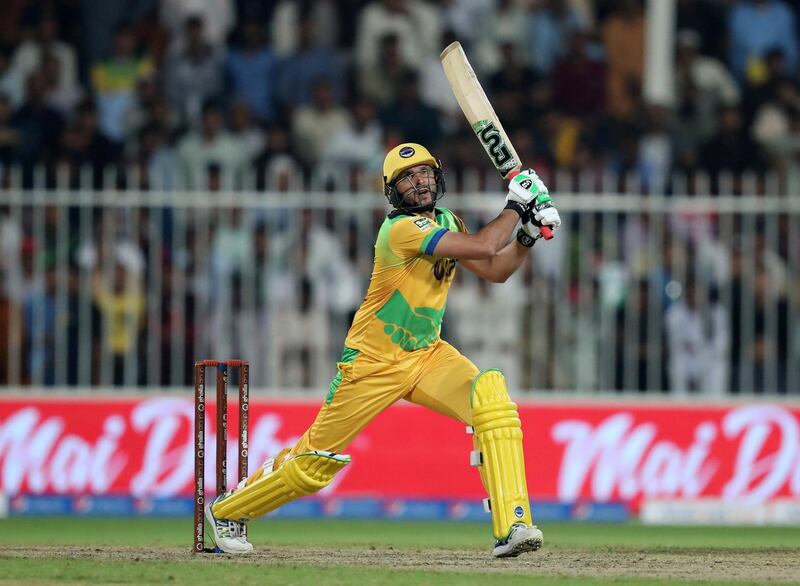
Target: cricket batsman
(393,351)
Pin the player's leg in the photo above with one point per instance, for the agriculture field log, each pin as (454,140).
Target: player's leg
(498,438)
(452,385)
(358,393)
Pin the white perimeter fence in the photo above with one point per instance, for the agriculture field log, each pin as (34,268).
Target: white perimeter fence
(692,295)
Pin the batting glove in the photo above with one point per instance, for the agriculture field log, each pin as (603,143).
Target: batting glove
(525,187)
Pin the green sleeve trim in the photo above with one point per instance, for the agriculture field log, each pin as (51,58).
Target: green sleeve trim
(447,219)
(348,357)
(429,242)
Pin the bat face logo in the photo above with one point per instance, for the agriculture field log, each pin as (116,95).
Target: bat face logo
(493,143)
(406,152)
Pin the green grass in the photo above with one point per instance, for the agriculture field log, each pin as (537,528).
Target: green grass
(176,533)
(104,535)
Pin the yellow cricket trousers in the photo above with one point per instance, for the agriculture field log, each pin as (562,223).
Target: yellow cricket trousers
(439,378)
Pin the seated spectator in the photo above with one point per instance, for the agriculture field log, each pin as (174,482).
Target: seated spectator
(656,149)
(60,94)
(579,80)
(290,17)
(114,82)
(773,120)
(219,16)
(138,115)
(731,149)
(252,71)
(211,146)
(757,94)
(623,37)
(507,86)
(698,336)
(754,27)
(99,21)
(9,136)
(415,121)
(702,87)
(503,23)
(707,19)
(194,71)
(314,124)
(415,24)
(38,126)
(154,158)
(308,63)
(43,315)
(359,142)
(277,166)
(381,81)
(83,143)
(11,84)
(121,303)
(550,25)
(30,55)
(768,346)
(434,89)
(243,128)
(492,308)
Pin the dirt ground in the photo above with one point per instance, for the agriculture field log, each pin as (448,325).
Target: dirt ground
(775,566)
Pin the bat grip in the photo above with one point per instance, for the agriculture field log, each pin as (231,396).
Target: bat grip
(545,231)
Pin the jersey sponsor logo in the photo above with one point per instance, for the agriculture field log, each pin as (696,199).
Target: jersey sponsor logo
(444,269)
(423,224)
(411,328)
(407,152)
(493,143)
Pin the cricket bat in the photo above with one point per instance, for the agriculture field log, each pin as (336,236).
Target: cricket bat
(481,116)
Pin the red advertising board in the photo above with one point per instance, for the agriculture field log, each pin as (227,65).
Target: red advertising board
(747,453)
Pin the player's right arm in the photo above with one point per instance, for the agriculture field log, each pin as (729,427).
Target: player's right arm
(525,191)
(485,243)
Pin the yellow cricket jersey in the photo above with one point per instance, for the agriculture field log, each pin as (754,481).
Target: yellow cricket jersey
(404,306)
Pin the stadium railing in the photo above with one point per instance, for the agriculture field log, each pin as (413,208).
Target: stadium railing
(104,286)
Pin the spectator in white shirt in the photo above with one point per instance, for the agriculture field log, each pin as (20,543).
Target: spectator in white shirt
(218,15)
(703,86)
(416,24)
(212,146)
(698,336)
(359,142)
(29,56)
(314,124)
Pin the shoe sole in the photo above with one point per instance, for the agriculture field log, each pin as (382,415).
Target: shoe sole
(526,545)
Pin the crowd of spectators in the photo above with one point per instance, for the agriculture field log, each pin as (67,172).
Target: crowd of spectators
(182,88)
(198,93)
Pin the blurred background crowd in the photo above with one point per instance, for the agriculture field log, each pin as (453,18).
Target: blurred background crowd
(208,95)
(175,85)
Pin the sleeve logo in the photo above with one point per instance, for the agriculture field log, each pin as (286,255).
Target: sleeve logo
(423,224)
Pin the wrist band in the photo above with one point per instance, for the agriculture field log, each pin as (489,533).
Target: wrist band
(517,207)
(526,240)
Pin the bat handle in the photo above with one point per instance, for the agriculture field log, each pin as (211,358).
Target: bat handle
(545,231)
